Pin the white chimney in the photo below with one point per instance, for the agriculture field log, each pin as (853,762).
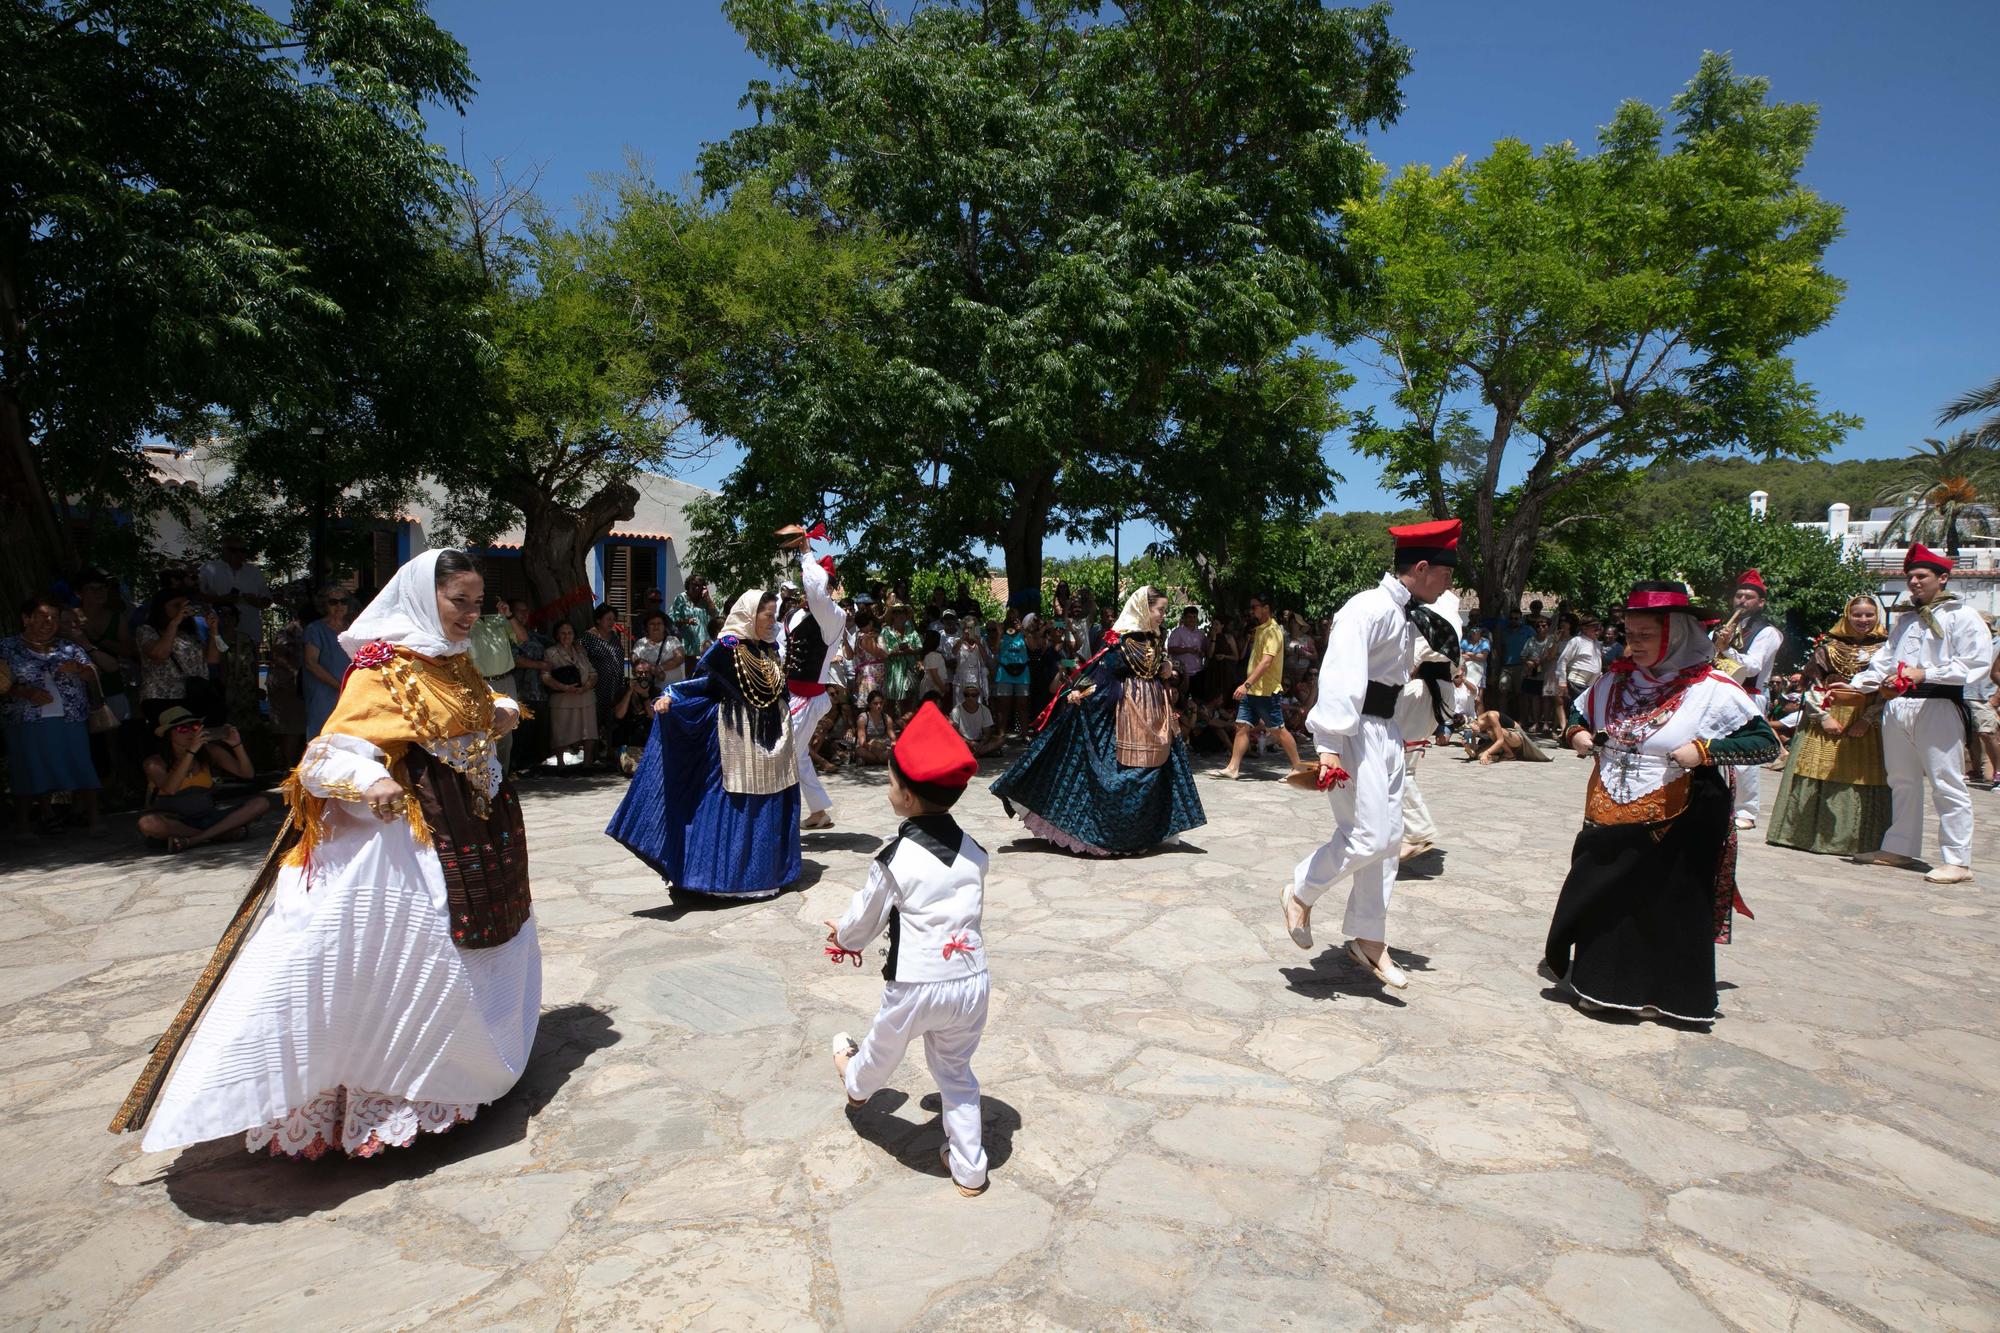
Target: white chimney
(1836,525)
(1760,503)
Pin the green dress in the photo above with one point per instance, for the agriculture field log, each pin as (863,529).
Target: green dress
(900,677)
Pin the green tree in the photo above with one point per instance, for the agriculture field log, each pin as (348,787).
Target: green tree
(1945,488)
(1809,579)
(1985,399)
(200,202)
(625,343)
(1607,312)
(1116,231)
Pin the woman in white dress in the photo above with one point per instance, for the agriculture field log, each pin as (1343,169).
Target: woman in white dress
(394,984)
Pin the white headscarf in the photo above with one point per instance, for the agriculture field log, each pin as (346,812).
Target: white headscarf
(1138,617)
(742,620)
(405,614)
(1686,646)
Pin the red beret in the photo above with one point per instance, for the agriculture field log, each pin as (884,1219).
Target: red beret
(931,750)
(1436,541)
(1922,556)
(826,563)
(1750,578)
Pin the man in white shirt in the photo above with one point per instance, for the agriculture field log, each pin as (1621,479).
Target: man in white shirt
(971,661)
(974,721)
(233,580)
(1755,644)
(811,633)
(1935,649)
(1369,657)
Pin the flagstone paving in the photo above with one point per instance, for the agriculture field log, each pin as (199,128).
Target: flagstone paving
(1192,1124)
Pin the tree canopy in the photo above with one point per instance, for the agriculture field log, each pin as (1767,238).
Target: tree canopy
(208,206)
(1115,229)
(1554,318)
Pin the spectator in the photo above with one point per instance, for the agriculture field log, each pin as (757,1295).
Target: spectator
(181,809)
(658,658)
(1301,652)
(870,661)
(173,659)
(975,722)
(934,677)
(1464,699)
(43,716)
(326,662)
(1258,709)
(1209,727)
(1537,668)
(902,649)
(972,665)
(1012,677)
(690,614)
(531,736)
(1225,662)
(284,687)
(1188,647)
(935,610)
(492,654)
(1043,663)
(1510,641)
(652,604)
(571,680)
(1985,765)
(875,730)
(1578,665)
(631,718)
(233,582)
(97,625)
(965,603)
(239,669)
(605,642)
(1474,651)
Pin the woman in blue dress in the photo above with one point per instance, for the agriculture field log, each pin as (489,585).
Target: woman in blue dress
(714,806)
(1107,774)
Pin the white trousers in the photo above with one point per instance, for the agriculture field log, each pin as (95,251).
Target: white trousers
(1367,831)
(1748,778)
(1923,745)
(808,710)
(1418,826)
(949,1016)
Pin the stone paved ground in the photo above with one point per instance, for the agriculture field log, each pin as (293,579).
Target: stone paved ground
(1192,1124)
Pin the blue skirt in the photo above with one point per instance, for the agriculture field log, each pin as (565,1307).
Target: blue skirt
(1070,779)
(49,755)
(677,818)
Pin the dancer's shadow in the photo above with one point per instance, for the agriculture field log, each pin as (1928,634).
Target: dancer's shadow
(839,841)
(220,1182)
(1428,864)
(1027,843)
(916,1145)
(1333,974)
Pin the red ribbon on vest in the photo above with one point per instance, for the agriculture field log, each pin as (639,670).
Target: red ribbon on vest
(957,944)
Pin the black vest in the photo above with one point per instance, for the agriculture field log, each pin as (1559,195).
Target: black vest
(805,651)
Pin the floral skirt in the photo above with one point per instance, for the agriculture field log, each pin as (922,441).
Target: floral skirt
(360,1124)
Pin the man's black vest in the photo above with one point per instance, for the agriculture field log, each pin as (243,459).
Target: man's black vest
(805,650)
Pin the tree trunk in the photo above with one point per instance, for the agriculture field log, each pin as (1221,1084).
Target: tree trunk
(1021,540)
(556,543)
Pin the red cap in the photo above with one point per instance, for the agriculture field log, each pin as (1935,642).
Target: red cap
(1436,541)
(1923,557)
(826,563)
(1750,578)
(931,750)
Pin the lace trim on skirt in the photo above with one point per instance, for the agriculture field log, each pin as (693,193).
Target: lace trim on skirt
(360,1124)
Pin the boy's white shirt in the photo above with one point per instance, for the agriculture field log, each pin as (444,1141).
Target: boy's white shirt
(927,889)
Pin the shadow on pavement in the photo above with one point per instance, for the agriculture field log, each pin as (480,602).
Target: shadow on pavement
(916,1146)
(1425,865)
(220,1182)
(1333,974)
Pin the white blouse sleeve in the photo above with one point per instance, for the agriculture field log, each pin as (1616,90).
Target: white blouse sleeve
(341,768)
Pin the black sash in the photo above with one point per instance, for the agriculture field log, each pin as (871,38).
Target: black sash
(1379,700)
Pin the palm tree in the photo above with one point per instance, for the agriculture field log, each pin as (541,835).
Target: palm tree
(1945,488)
(1970,404)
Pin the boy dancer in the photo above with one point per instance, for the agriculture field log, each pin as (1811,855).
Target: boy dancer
(1369,658)
(926,888)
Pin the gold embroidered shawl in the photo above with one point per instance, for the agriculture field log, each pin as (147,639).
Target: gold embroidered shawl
(393,699)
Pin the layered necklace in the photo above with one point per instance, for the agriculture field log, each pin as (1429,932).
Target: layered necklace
(1142,654)
(759,677)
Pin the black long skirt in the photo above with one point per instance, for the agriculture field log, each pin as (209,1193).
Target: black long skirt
(1635,925)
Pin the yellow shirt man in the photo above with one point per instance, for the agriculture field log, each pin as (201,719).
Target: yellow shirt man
(1267,642)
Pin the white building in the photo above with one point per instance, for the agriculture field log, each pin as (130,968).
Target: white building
(1881,551)
(643,553)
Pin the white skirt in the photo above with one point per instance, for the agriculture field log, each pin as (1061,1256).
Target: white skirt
(350,1020)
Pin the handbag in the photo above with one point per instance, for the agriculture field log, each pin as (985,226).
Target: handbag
(566,675)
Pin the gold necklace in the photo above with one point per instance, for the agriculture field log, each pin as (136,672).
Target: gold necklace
(759,678)
(1143,657)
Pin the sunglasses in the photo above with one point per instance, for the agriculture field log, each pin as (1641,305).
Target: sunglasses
(186,726)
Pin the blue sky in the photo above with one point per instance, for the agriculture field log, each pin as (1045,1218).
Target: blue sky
(1907,98)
